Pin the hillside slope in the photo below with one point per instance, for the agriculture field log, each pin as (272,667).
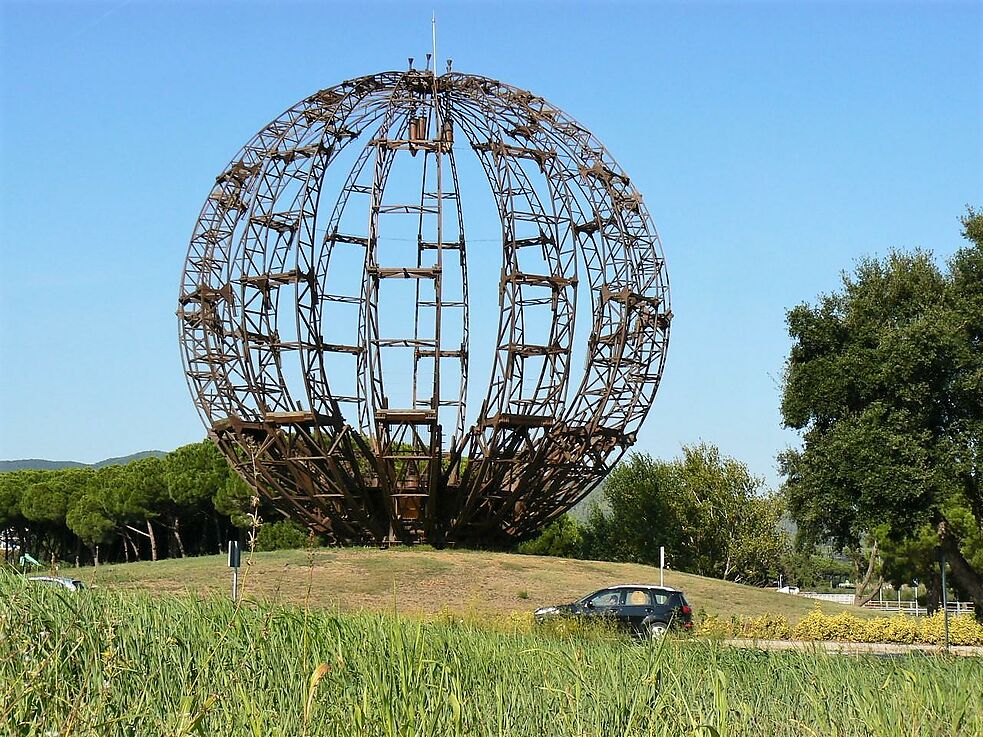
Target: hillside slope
(425,581)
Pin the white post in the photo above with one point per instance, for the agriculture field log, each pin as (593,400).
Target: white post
(662,565)
(433,26)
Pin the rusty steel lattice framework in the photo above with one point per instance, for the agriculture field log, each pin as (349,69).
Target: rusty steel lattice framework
(292,358)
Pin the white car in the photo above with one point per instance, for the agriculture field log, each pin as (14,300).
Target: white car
(72,584)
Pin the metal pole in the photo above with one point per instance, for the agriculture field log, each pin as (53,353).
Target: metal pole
(945,600)
(234,565)
(662,565)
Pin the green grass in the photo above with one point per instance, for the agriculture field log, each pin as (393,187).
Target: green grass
(123,663)
(426,581)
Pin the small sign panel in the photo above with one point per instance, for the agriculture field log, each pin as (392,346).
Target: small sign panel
(233,553)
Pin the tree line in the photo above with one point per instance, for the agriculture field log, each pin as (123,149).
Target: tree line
(712,516)
(188,502)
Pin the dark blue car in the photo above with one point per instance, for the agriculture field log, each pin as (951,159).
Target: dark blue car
(643,609)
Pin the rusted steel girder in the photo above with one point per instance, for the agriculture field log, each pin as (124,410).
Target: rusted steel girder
(350,415)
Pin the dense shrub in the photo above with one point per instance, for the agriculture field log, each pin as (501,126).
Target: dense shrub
(847,627)
(282,535)
(562,538)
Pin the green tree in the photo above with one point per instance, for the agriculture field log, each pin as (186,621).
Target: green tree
(234,499)
(44,504)
(13,524)
(707,510)
(562,538)
(284,534)
(89,518)
(141,496)
(194,474)
(885,381)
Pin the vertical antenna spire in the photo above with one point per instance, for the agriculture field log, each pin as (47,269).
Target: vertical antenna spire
(433,27)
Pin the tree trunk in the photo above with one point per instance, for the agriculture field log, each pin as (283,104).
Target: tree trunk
(153,541)
(176,529)
(968,579)
(933,592)
(133,545)
(861,589)
(126,550)
(869,596)
(218,533)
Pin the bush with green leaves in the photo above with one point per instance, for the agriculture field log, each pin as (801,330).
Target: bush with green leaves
(282,535)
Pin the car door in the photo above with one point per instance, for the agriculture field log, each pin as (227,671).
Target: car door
(637,608)
(663,608)
(605,603)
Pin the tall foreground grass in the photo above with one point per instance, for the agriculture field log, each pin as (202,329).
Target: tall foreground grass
(104,663)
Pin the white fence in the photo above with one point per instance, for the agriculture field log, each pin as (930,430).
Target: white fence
(908,607)
(890,605)
(837,598)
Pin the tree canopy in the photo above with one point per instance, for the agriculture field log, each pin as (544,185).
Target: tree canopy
(885,382)
(708,511)
(188,502)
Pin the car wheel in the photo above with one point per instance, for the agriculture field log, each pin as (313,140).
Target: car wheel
(657,630)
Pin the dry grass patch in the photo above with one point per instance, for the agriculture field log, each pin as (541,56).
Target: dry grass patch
(425,581)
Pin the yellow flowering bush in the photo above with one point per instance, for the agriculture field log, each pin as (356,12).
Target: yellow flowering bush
(813,626)
(847,627)
(715,628)
(963,629)
(765,627)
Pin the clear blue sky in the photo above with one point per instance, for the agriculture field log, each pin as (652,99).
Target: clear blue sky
(774,143)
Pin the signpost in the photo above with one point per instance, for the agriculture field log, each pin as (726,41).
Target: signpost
(234,565)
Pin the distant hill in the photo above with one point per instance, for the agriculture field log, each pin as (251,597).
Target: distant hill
(122,460)
(38,464)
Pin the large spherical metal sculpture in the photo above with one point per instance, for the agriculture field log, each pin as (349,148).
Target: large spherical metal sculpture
(352,419)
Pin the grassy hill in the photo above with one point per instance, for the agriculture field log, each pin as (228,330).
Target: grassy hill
(425,582)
